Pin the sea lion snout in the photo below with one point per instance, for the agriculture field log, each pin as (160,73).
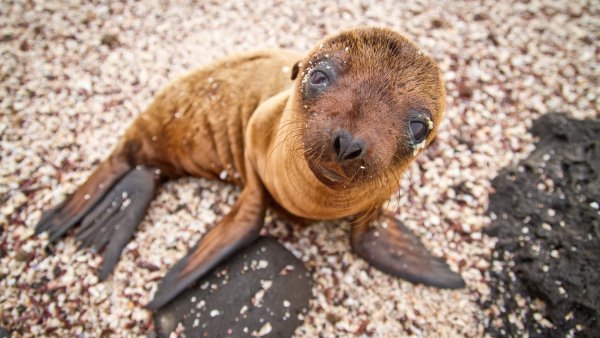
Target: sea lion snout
(343,161)
(346,147)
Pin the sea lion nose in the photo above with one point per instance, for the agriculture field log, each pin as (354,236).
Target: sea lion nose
(346,147)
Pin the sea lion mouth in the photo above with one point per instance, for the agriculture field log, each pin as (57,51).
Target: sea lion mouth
(333,176)
(327,176)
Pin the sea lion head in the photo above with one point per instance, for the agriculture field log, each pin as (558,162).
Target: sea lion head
(371,101)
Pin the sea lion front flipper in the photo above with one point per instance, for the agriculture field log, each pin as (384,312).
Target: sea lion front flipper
(390,246)
(237,229)
(111,223)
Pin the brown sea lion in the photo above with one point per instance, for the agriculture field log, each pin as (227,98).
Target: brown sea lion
(332,143)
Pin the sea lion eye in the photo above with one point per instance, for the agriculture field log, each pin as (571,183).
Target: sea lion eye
(418,130)
(318,78)
(419,125)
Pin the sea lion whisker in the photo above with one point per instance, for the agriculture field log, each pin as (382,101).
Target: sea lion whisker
(279,144)
(387,178)
(285,124)
(293,137)
(397,192)
(391,176)
(408,176)
(285,129)
(364,216)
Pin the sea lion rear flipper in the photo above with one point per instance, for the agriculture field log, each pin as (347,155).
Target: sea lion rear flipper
(111,223)
(59,220)
(112,202)
(390,246)
(237,229)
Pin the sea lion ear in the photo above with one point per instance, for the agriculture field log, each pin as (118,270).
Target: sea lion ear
(295,70)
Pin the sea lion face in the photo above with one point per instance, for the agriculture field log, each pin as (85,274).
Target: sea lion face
(371,101)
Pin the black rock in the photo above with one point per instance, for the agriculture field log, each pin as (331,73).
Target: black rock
(262,290)
(548,228)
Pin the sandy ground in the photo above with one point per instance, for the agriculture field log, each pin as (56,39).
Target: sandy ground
(73,75)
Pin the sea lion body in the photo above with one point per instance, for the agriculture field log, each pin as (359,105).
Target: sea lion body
(332,143)
(196,125)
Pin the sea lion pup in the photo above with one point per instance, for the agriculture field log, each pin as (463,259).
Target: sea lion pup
(332,143)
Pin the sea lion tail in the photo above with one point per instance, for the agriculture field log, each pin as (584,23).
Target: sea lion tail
(110,204)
